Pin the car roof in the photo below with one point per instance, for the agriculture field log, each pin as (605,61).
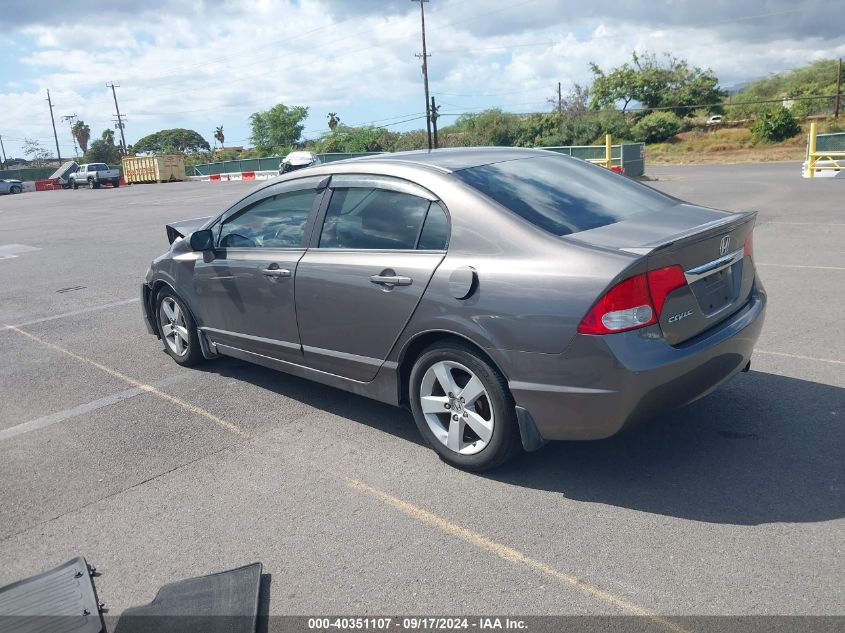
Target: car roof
(454,159)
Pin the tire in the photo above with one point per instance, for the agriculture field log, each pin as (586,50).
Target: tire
(177,329)
(15,189)
(115,183)
(75,185)
(91,184)
(463,447)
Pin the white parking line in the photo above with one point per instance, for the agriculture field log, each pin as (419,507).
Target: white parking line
(801,266)
(67,414)
(234,428)
(65,315)
(800,357)
(805,223)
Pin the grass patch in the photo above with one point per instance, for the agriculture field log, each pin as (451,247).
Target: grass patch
(724,145)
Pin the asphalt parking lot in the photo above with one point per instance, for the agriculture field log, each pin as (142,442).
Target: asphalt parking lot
(108,449)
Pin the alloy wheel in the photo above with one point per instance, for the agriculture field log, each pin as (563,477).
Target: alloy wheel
(457,407)
(173,327)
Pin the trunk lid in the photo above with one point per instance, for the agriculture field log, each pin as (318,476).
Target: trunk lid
(707,244)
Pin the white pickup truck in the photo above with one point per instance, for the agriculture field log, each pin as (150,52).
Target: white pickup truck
(94,175)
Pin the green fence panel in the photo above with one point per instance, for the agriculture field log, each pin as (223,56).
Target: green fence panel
(633,159)
(27,173)
(629,155)
(830,142)
(269,164)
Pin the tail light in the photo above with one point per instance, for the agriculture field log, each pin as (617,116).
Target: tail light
(748,248)
(633,303)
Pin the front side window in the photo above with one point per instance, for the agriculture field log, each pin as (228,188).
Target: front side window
(372,218)
(274,222)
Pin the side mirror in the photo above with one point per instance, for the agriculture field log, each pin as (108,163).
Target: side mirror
(202,240)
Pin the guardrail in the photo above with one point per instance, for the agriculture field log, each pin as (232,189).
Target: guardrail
(827,159)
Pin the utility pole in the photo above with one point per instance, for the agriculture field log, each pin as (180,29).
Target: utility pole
(4,151)
(424,56)
(434,117)
(71,119)
(559,99)
(119,117)
(838,88)
(55,136)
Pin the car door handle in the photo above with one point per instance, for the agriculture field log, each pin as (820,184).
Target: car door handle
(275,272)
(391,280)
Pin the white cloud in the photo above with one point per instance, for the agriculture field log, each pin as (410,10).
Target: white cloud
(217,62)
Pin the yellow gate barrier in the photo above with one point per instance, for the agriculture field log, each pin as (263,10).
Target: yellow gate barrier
(831,159)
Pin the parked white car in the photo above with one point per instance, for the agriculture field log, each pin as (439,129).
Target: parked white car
(11,186)
(716,119)
(298,160)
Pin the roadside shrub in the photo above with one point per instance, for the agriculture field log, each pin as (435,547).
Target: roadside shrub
(775,125)
(657,127)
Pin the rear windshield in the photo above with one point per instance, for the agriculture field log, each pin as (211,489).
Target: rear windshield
(562,195)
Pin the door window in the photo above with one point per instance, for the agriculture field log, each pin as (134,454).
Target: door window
(371,218)
(435,231)
(274,222)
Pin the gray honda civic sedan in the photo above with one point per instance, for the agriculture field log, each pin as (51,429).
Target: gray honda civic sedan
(507,296)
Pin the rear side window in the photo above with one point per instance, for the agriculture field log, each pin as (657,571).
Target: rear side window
(562,195)
(435,231)
(371,218)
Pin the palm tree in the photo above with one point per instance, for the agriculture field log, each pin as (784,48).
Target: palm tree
(108,136)
(82,133)
(218,134)
(333,120)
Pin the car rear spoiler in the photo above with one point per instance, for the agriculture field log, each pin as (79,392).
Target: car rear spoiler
(182,228)
(702,231)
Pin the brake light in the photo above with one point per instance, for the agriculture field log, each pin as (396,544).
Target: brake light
(633,303)
(663,281)
(748,248)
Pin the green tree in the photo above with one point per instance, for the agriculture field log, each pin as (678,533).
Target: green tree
(619,84)
(35,151)
(356,139)
(814,80)
(657,127)
(775,125)
(279,127)
(490,127)
(219,136)
(108,136)
(172,141)
(101,151)
(669,82)
(334,120)
(82,133)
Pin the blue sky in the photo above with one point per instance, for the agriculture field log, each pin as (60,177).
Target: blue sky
(214,62)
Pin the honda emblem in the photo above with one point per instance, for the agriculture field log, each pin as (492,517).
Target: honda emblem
(724,245)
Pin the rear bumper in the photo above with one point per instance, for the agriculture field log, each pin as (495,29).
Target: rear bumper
(601,384)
